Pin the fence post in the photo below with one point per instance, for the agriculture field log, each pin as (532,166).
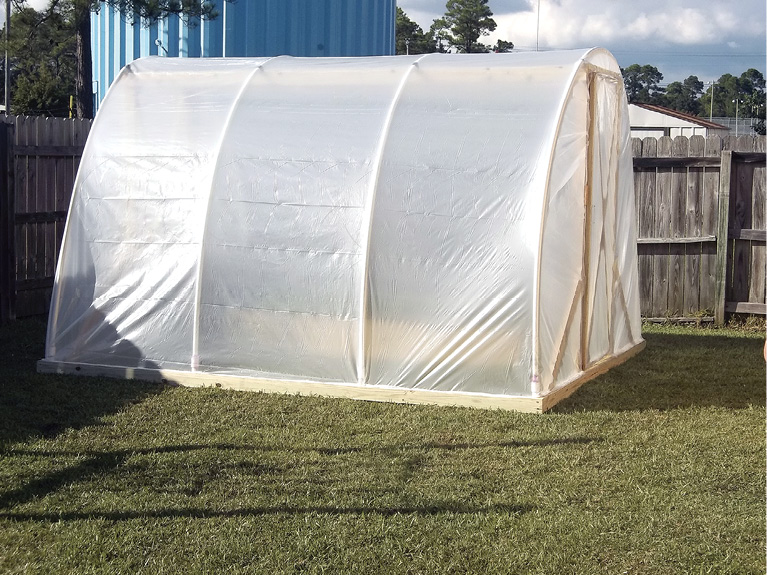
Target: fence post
(722,234)
(7,217)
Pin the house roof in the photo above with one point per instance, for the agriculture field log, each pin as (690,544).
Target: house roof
(680,115)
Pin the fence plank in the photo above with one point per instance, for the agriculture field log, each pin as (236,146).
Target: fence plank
(645,184)
(52,133)
(649,164)
(746,307)
(676,281)
(662,228)
(708,214)
(7,233)
(759,224)
(741,262)
(45,161)
(693,227)
(722,240)
(740,219)
(25,188)
(740,196)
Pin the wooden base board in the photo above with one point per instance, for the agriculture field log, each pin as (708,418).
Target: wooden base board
(341,390)
(552,398)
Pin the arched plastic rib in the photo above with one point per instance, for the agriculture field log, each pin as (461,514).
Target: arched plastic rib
(195,359)
(361,355)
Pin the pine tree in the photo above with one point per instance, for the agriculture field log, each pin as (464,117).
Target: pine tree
(148,10)
(410,37)
(467,21)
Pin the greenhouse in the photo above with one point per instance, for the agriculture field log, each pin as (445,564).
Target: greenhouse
(448,229)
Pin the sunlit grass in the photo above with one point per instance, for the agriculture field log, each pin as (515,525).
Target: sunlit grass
(656,467)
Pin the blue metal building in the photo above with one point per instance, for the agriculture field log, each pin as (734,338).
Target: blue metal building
(244,28)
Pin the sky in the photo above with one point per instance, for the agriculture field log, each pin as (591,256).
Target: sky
(703,38)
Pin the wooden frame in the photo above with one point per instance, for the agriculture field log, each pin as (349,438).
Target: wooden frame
(343,390)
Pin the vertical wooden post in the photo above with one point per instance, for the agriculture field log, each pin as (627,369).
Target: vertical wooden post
(7,213)
(722,235)
(591,150)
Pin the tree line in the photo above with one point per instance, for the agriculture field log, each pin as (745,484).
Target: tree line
(50,57)
(49,50)
(459,29)
(730,96)
(466,21)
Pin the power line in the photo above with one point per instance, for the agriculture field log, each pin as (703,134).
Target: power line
(521,48)
(685,55)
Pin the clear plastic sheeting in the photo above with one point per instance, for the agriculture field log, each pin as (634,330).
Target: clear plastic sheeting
(451,223)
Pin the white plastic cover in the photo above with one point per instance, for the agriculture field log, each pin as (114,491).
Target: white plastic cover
(460,223)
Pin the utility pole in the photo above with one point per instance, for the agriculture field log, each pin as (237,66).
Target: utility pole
(7,67)
(537,24)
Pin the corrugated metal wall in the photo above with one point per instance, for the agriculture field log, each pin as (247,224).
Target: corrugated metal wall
(245,28)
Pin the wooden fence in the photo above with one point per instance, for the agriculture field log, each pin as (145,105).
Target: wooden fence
(700,213)
(38,162)
(701,226)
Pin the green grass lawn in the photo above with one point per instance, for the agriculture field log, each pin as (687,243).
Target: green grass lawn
(656,467)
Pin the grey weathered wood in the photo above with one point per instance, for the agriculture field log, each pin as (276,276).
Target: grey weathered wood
(741,217)
(738,285)
(662,228)
(740,196)
(693,225)
(7,235)
(63,151)
(693,270)
(749,157)
(750,235)
(38,283)
(676,303)
(684,240)
(698,319)
(645,164)
(722,239)
(708,214)
(645,190)
(51,131)
(745,307)
(45,155)
(41,217)
(26,186)
(758,236)
(744,143)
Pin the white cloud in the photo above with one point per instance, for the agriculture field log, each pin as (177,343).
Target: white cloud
(714,36)
(36,4)
(571,23)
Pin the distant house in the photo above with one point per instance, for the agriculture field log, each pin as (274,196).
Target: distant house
(650,120)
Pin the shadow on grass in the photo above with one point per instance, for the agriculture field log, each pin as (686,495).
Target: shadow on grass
(198,513)
(95,463)
(40,405)
(679,370)
(101,463)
